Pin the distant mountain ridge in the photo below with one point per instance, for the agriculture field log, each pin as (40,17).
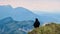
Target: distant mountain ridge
(21,14)
(8,25)
(18,13)
(14,19)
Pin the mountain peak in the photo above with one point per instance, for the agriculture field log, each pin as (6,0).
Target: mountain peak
(18,14)
(20,7)
(6,6)
(7,19)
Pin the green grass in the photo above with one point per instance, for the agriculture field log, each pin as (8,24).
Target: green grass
(51,28)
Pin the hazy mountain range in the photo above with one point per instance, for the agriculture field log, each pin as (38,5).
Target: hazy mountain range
(18,13)
(20,20)
(10,26)
(21,13)
(16,20)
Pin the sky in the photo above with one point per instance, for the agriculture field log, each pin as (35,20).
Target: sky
(38,5)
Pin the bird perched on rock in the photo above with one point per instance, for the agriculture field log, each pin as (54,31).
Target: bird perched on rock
(36,23)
